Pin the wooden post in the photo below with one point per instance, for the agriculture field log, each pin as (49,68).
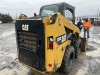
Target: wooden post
(84,44)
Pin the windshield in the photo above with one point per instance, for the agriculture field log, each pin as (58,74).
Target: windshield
(49,10)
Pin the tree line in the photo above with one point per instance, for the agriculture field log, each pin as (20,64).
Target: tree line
(5,18)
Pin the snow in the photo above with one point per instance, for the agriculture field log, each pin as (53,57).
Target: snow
(87,64)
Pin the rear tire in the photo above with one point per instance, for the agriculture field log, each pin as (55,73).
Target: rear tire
(68,60)
(78,46)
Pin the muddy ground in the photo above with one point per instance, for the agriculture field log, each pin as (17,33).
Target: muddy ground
(85,65)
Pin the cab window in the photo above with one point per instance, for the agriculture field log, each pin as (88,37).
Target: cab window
(68,15)
(49,10)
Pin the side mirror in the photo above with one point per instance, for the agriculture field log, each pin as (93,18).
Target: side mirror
(35,14)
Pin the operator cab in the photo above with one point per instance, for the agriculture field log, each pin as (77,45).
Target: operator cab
(65,9)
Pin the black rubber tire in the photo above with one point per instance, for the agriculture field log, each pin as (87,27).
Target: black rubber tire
(68,60)
(77,46)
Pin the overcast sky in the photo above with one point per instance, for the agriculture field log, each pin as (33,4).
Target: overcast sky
(29,7)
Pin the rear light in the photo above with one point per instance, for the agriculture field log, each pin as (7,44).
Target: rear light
(50,65)
(50,42)
(50,45)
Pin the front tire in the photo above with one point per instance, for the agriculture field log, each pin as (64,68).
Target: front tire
(78,46)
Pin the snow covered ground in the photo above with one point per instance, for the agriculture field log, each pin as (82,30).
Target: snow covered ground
(88,64)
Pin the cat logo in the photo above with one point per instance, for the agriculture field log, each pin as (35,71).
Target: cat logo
(25,27)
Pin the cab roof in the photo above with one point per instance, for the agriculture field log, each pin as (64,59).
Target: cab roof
(61,7)
(62,4)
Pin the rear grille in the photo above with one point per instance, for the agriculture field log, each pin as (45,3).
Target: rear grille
(27,40)
(31,43)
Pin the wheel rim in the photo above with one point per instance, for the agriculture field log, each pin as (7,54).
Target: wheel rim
(70,65)
(79,49)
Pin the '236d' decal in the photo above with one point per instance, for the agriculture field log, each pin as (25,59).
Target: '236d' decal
(61,39)
(25,27)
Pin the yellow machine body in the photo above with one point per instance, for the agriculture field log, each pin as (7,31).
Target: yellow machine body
(55,56)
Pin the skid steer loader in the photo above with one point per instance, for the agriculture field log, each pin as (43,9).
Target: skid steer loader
(50,40)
